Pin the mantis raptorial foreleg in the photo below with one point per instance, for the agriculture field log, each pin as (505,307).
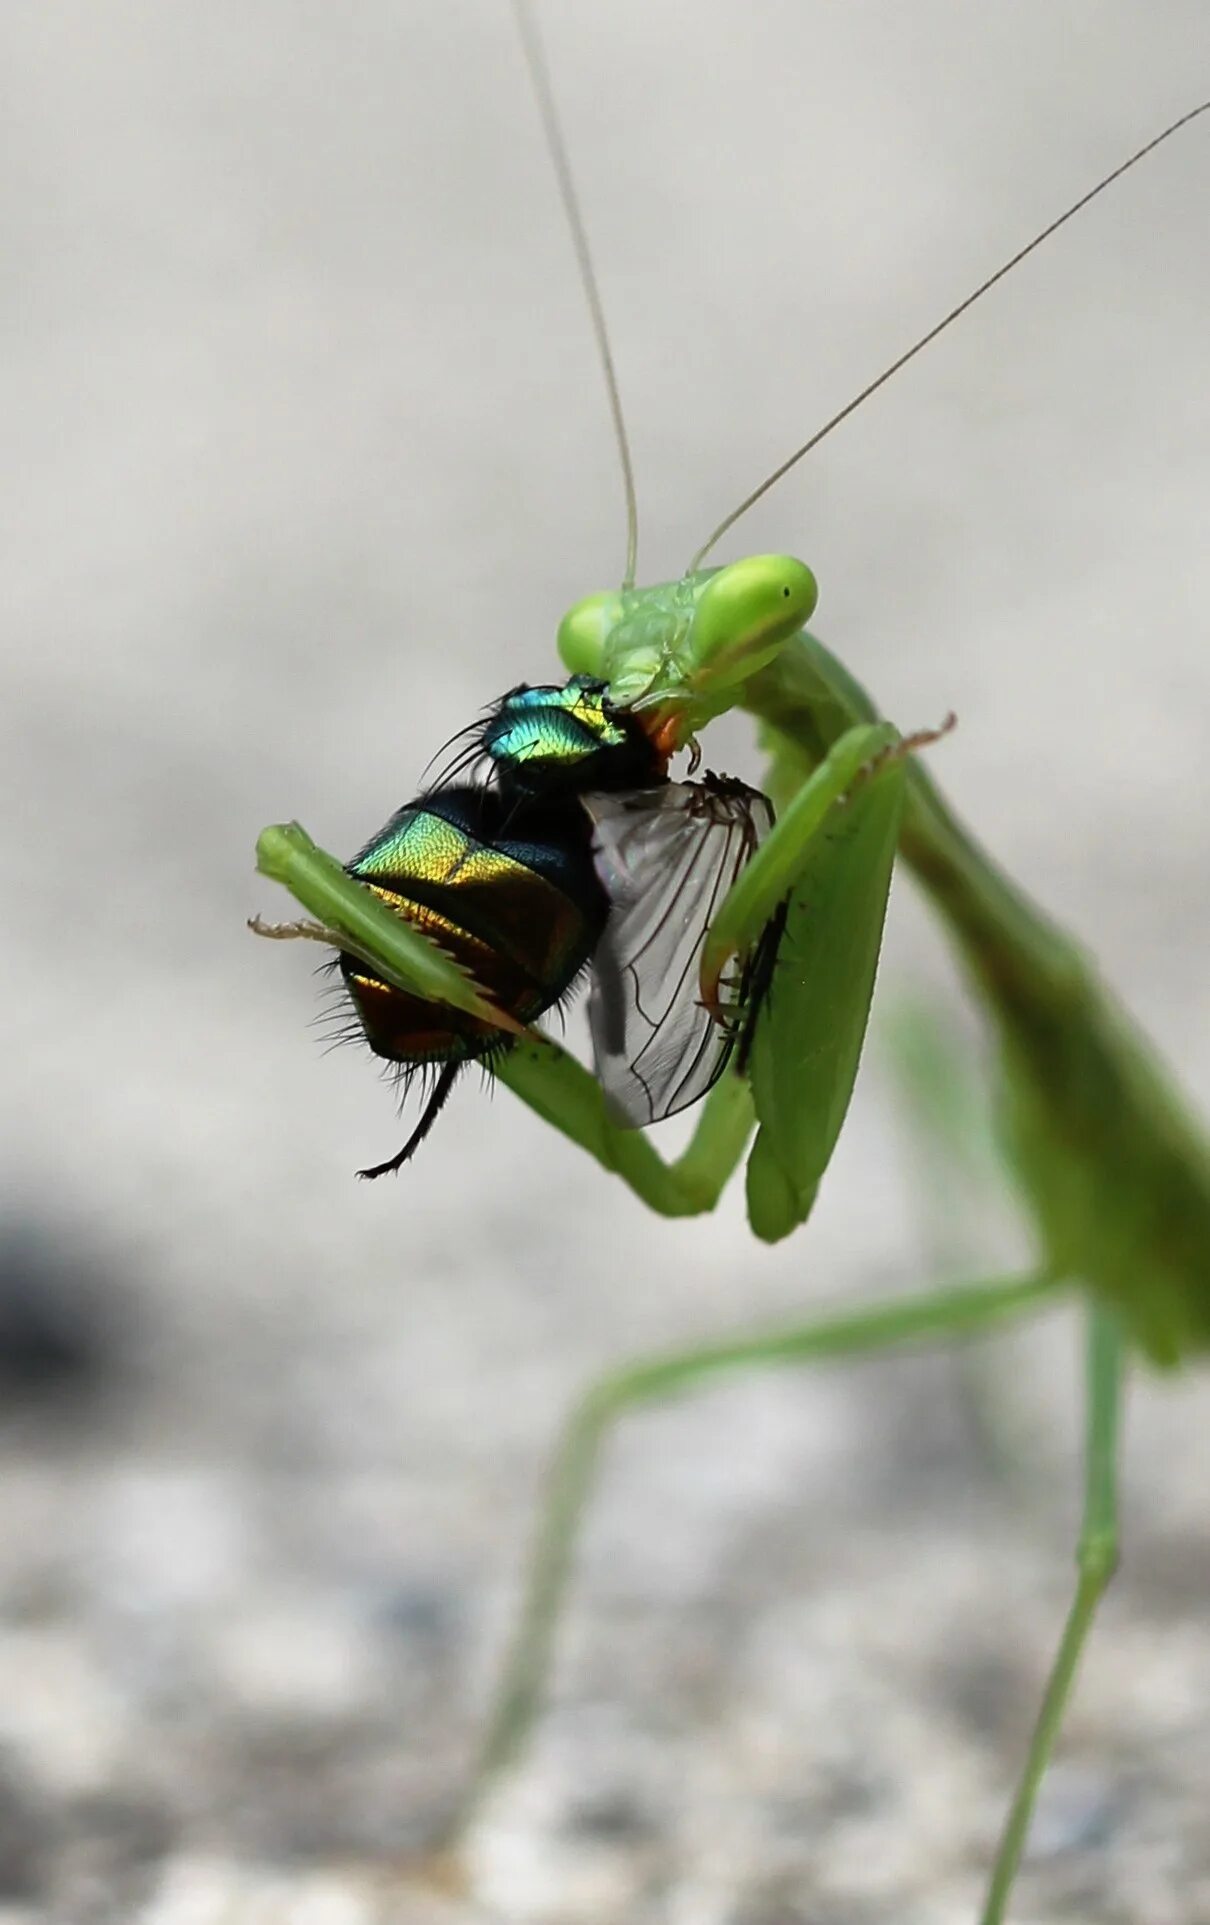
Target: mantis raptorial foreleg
(943,1314)
(777,866)
(859,756)
(862,758)
(548,1079)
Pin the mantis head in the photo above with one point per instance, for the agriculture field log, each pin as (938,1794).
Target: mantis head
(684,648)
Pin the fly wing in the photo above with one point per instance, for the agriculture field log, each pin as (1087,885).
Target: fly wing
(667,858)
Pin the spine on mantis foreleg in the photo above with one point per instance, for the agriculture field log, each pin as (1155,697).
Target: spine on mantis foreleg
(1114,1166)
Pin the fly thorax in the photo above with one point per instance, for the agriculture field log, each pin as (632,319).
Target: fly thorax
(559,740)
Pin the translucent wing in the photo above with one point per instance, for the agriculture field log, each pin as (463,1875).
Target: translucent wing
(667,858)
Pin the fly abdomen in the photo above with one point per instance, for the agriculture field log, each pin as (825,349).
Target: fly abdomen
(508,889)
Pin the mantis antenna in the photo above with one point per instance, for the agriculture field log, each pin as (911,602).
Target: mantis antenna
(539,74)
(880,380)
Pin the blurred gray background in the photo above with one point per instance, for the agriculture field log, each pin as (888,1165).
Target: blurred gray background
(307,453)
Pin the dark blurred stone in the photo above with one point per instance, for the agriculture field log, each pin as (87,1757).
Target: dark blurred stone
(786,1899)
(613,1818)
(61,1332)
(426,1612)
(26,1826)
(107,1857)
(986,1688)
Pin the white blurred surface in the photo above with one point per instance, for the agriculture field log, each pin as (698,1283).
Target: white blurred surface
(307,455)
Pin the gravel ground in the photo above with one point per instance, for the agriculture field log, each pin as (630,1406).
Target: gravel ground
(309,456)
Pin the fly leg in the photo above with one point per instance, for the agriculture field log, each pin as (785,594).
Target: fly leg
(432,1110)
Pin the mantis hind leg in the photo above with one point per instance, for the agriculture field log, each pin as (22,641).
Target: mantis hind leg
(1096,1560)
(942,1314)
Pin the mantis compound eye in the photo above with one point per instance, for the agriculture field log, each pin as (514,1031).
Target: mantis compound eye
(584,633)
(744,615)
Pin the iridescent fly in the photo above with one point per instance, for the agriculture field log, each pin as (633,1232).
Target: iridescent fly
(576,852)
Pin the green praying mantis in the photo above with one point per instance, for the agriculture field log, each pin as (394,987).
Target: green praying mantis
(1115,1170)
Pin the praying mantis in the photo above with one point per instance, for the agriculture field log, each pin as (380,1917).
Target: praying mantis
(1115,1168)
